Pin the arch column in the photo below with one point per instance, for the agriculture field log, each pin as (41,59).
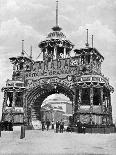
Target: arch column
(91,103)
(79,101)
(4,104)
(55,52)
(102,105)
(29,115)
(110,110)
(75,107)
(25,106)
(75,101)
(5,100)
(80,92)
(14,99)
(101,92)
(80,63)
(64,52)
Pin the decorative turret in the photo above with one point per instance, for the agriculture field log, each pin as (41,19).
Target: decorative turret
(89,59)
(56,45)
(21,63)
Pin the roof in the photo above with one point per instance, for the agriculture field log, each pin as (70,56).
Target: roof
(20,58)
(88,50)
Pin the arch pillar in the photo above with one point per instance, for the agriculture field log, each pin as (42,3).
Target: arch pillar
(64,52)
(4,104)
(110,110)
(102,104)
(91,103)
(77,102)
(55,52)
(80,93)
(5,99)
(14,99)
(25,107)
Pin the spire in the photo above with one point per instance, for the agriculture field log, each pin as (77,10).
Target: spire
(31,52)
(56,13)
(22,53)
(56,28)
(92,41)
(87,44)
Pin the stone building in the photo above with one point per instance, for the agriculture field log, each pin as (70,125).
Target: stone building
(56,109)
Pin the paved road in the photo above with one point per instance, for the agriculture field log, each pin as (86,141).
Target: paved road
(49,142)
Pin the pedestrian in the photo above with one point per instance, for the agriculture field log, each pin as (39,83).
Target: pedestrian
(61,126)
(57,126)
(52,124)
(43,125)
(48,124)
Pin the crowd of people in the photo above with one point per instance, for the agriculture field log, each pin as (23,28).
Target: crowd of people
(58,126)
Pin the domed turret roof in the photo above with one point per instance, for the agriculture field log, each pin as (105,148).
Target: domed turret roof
(56,35)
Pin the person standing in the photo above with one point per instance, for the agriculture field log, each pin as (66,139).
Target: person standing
(48,124)
(57,126)
(43,125)
(52,124)
(61,126)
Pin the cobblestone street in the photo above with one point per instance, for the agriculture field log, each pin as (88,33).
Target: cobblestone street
(49,142)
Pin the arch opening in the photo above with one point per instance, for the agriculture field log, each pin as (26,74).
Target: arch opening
(56,107)
(39,95)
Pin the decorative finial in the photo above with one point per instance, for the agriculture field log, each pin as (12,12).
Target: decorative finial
(22,53)
(31,52)
(56,13)
(87,44)
(56,28)
(92,41)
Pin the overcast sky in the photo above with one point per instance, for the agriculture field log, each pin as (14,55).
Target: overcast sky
(32,20)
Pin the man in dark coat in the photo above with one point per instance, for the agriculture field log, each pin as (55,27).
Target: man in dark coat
(52,124)
(57,126)
(48,124)
(43,125)
(61,126)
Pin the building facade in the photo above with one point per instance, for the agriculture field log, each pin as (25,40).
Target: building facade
(55,110)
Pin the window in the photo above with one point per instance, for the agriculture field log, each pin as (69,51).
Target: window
(85,97)
(96,96)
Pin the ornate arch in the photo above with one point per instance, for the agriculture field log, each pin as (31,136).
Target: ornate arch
(41,92)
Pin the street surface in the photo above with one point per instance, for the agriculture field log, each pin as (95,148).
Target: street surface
(48,142)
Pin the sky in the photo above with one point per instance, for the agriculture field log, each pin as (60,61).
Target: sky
(32,20)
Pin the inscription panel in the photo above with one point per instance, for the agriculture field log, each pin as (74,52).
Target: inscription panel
(64,81)
(60,68)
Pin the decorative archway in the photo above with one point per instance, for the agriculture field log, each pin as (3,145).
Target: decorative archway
(36,96)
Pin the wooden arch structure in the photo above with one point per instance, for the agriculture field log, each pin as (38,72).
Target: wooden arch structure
(79,77)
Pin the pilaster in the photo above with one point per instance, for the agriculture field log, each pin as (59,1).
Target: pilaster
(75,104)
(80,93)
(101,92)
(91,103)
(55,52)
(64,52)
(25,106)
(5,100)
(14,99)
(110,109)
